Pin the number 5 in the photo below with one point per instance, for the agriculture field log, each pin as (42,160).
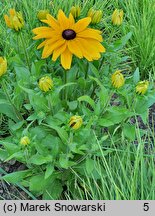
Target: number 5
(146,207)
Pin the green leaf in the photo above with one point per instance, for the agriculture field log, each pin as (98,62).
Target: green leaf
(22,73)
(28,106)
(114,116)
(64,162)
(37,183)
(136,76)
(61,132)
(103,94)
(51,143)
(29,91)
(17,155)
(87,99)
(36,67)
(17,126)
(54,191)
(64,86)
(11,148)
(89,165)
(81,83)
(94,70)
(39,159)
(39,103)
(141,104)
(125,38)
(3,154)
(62,116)
(119,44)
(16,176)
(72,105)
(49,170)
(7,109)
(129,131)
(32,117)
(98,82)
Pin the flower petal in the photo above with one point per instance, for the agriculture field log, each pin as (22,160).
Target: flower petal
(42,29)
(82,24)
(55,37)
(84,51)
(90,48)
(66,59)
(51,21)
(96,45)
(41,45)
(90,33)
(42,32)
(63,20)
(57,52)
(71,20)
(7,21)
(48,49)
(45,50)
(74,48)
(12,12)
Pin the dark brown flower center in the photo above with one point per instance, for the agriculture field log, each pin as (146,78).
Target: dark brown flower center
(68,34)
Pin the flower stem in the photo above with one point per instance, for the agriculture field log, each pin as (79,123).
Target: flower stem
(86,74)
(65,82)
(50,103)
(25,51)
(19,116)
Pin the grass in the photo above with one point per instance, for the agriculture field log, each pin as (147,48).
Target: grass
(128,172)
(140,16)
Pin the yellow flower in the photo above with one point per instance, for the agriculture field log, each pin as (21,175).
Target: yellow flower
(95,15)
(117,79)
(66,38)
(25,140)
(117,17)
(15,20)
(75,122)
(75,11)
(142,87)
(45,83)
(42,14)
(3,66)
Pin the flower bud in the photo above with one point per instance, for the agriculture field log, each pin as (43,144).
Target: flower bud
(15,20)
(25,140)
(117,79)
(3,66)
(75,122)
(117,17)
(45,83)
(95,15)
(51,4)
(42,14)
(75,11)
(142,87)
